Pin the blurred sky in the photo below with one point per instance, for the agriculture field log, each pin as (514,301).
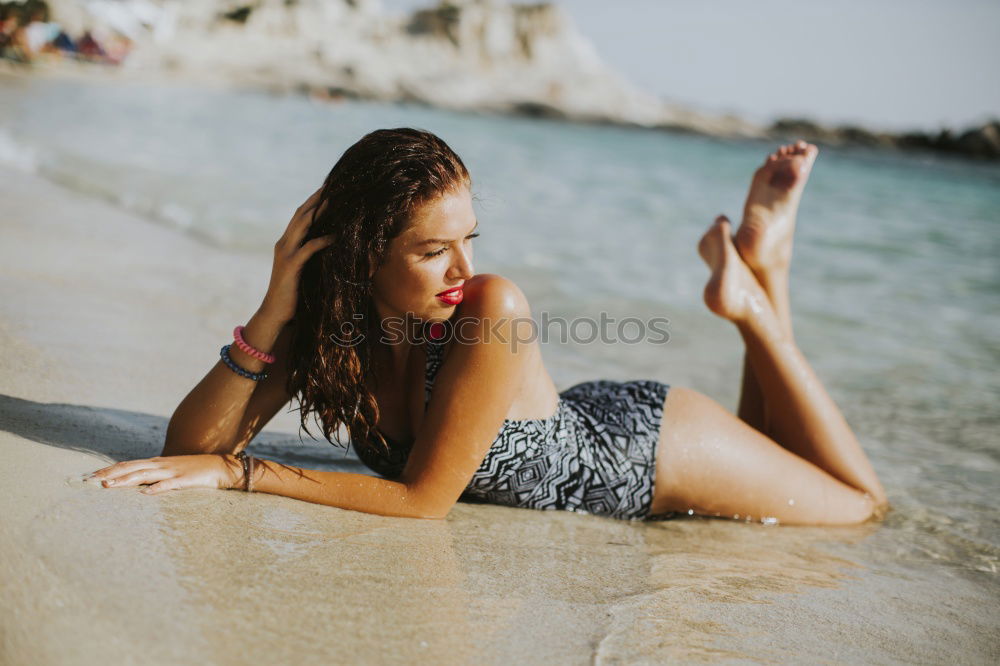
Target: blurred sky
(886,64)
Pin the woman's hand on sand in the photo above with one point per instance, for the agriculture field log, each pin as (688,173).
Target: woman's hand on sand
(161,474)
(290,255)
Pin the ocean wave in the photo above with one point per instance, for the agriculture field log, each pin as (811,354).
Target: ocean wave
(126,188)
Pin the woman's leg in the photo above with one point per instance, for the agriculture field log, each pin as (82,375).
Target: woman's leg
(764,241)
(764,244)
(713,463)
(752,407)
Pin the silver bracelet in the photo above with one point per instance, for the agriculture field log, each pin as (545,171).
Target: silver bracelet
(245,462)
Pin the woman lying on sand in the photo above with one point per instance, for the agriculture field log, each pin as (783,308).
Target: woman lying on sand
(373,302)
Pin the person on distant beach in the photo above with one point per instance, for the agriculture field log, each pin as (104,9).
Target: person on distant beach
(89,48)
(375,320)
(13,42)
(39,31)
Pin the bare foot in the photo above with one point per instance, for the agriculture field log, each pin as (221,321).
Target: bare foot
(764,238)
(732,291)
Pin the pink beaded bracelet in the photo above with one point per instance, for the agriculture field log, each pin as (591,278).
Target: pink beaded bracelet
(247,349)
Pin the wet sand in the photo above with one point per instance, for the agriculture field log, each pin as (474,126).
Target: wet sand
(107,321)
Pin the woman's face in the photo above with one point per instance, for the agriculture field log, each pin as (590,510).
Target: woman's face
(432,255)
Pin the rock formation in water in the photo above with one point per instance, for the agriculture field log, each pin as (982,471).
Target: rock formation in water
(982,142)
(481,55)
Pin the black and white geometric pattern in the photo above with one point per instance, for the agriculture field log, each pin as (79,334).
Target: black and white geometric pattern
(596,454)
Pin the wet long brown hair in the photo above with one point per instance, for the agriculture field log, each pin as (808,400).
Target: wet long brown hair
(368,198)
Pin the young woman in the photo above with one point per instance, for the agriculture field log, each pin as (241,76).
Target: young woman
(375,320)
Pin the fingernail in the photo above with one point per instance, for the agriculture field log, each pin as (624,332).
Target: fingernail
(109,482)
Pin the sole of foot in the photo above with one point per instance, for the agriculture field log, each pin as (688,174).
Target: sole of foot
(764,238)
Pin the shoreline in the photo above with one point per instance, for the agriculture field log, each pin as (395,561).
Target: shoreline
(976,143)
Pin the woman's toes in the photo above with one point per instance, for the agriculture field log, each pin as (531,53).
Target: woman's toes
(723,227)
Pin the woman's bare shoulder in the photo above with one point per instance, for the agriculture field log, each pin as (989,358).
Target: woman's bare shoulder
(489,294)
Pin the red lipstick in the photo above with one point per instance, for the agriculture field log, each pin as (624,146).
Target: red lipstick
(452,296)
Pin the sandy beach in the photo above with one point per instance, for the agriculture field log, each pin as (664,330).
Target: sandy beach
(107,320)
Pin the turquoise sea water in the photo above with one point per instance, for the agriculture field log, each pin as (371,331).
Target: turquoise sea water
(895,280)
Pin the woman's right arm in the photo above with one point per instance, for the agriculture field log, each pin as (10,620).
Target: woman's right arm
(226,410)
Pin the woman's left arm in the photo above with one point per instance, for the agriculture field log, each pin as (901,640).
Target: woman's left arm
(357,492)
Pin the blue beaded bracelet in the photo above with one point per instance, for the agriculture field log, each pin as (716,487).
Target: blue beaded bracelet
(256,376)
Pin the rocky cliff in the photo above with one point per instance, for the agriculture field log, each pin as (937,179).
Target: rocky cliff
(471,55)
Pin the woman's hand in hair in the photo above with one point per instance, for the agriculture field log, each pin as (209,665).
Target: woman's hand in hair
(290,255)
